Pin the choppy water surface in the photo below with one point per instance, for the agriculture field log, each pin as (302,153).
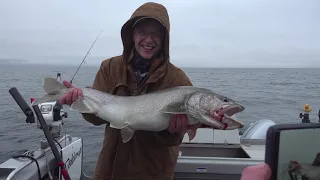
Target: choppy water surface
(276,94)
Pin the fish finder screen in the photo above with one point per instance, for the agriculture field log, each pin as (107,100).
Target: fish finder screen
(299,154)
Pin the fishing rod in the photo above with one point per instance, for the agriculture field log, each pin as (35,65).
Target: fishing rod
(85,57)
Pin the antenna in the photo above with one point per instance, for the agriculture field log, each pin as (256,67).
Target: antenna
(85,57)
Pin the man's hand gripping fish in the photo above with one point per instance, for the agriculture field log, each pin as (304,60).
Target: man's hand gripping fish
(152,111)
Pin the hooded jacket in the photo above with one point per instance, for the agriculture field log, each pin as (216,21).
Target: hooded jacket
(148,155)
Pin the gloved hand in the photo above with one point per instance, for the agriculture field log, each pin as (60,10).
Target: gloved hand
(72,95)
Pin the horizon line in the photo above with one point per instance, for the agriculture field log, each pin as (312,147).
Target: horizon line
(197,67)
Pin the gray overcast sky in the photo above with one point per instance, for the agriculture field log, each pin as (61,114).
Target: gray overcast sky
(207,33)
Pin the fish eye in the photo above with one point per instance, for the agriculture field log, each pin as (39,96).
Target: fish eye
(225,100)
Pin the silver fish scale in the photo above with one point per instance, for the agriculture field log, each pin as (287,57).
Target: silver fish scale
(145,112)
(150,112)
(98,97)
(194,109)
(158,100)
(210,102)
(204,103)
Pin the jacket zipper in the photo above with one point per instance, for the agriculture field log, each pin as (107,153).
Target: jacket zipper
(139,86)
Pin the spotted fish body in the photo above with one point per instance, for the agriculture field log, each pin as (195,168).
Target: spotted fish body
(148,112)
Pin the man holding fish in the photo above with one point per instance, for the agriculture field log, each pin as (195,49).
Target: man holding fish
(143,68)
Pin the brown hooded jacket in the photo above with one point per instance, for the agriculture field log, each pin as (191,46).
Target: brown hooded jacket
(148,155)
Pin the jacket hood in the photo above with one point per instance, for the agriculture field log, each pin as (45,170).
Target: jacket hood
(150,10)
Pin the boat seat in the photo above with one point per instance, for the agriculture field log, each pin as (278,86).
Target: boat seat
(215,136)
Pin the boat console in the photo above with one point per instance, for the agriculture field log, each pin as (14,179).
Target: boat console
(220,154)
(60,156)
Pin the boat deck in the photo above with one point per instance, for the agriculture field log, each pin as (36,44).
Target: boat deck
(254,151)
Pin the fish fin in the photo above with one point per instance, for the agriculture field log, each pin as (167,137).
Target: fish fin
(126,133)
(192,133)
(172,112)
(173,109)
(81,106)
(52,86)
(45,98)
(117,126)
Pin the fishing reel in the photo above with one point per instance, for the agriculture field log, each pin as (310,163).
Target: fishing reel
(55,126)
(53,114)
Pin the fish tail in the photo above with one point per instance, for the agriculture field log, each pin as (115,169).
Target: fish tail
(53,86)
(46,98)
(54,90)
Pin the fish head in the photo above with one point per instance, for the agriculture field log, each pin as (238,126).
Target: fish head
(214,110)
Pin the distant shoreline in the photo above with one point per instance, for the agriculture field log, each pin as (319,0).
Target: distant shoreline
(59,63)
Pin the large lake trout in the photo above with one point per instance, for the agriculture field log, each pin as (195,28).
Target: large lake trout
(152,111)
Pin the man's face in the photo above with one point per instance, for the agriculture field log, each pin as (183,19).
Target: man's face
(147,38)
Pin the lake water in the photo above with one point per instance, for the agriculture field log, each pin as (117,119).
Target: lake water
(276,94)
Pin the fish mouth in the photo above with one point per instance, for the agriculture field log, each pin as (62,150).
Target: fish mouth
(225,121)
(231,109)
